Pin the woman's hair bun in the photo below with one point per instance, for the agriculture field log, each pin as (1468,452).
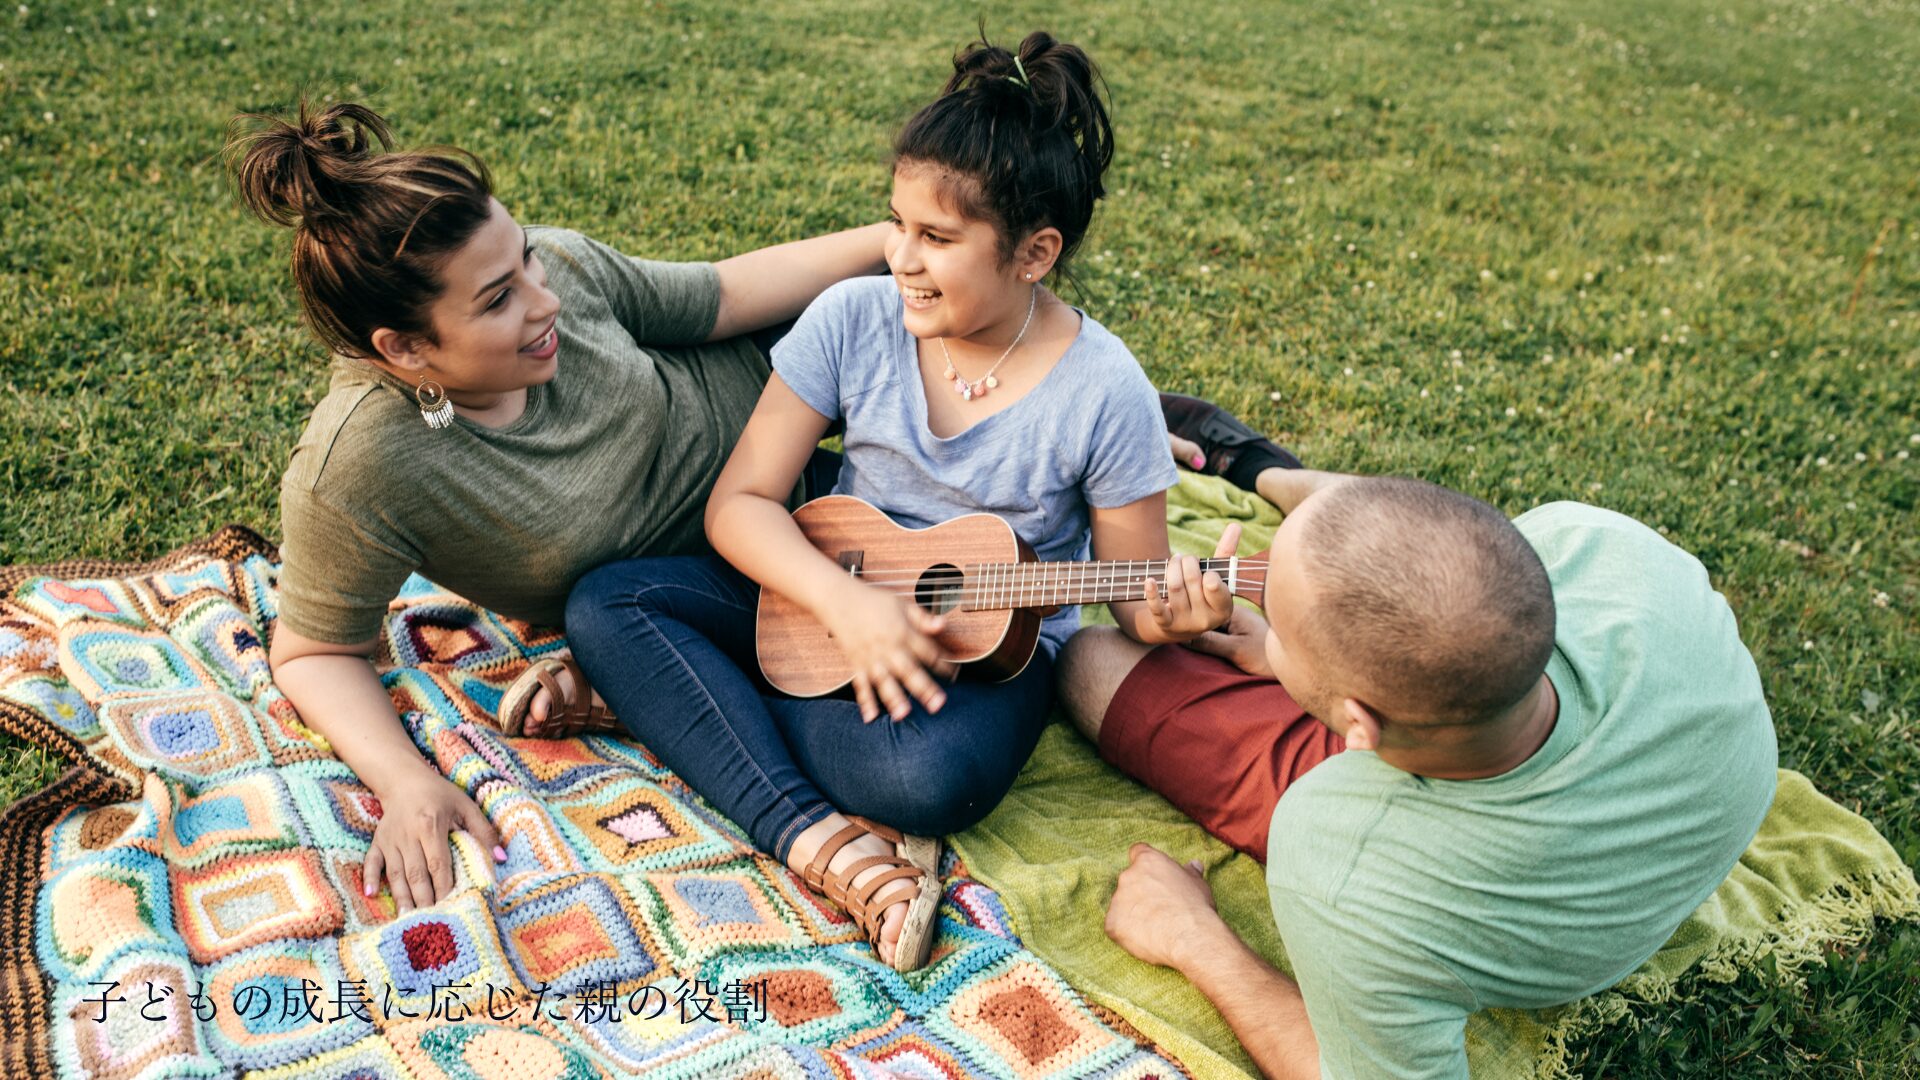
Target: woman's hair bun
(372,226)
(305,171)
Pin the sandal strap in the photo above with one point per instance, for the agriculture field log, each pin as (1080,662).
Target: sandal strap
(815,873)
(582,703)
(865,894)
(885,832)
(543,674)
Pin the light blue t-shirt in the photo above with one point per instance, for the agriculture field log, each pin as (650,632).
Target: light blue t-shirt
(1091,434)
(1406,903)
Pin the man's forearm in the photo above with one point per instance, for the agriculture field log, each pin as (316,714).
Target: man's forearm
(1262,1006)
(1286,488)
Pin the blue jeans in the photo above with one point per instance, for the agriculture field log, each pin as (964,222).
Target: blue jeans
(668,642)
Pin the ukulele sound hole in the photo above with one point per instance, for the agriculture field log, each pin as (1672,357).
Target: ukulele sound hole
(938,590)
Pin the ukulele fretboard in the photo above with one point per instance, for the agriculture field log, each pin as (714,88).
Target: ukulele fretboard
(997,586)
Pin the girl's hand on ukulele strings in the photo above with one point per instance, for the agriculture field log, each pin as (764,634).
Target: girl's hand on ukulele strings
(1195,602)
(888,642)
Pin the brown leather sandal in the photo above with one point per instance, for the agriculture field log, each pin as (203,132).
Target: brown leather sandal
(915,857)
(565,719)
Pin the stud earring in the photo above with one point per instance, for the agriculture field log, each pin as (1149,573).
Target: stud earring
(435,407)
(1029,277)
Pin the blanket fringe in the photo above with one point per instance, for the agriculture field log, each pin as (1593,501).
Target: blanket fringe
(1844,916)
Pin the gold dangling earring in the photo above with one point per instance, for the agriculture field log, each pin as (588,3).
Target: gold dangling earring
(435,407)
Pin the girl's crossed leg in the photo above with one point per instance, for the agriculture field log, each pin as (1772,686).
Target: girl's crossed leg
(668,643)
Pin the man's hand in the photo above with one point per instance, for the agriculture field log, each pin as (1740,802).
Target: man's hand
(1161,909)
(1242,643)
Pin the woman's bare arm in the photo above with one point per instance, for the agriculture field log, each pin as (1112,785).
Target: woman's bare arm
(776,283)
(339,695)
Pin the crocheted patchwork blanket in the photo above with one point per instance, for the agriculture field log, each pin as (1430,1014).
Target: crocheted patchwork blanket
(186,900)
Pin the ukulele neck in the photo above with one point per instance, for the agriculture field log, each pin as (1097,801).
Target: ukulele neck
(999,586)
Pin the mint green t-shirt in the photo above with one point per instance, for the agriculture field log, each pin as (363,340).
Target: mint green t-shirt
(1407,903)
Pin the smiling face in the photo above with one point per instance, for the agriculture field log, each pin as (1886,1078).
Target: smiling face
(494,322)
(952,274)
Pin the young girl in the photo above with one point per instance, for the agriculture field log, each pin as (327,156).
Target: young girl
(965,385)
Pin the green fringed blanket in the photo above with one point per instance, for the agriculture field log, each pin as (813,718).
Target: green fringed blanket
(1815,876)
(186,901)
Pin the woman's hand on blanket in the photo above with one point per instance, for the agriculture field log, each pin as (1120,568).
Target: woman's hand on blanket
(411,846)
(1242,643)
(1195,602)
(1161,911)
(888,642)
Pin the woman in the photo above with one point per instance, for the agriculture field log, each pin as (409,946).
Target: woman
(509,408)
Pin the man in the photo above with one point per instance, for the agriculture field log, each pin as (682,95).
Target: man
(1555,748)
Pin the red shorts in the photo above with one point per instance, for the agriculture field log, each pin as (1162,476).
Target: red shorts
(1216,742)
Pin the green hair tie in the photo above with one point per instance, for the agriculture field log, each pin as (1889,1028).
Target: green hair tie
(1020,80)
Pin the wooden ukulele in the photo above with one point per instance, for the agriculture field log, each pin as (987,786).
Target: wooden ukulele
(974,570)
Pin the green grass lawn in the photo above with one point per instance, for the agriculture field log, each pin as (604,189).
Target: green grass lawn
(1656,256)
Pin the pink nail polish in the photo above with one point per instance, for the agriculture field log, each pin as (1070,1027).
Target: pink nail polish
(499,853)
(1198,461)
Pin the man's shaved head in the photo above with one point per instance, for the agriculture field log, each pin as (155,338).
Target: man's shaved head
(1428,602)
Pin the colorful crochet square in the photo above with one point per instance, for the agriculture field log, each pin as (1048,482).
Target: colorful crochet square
(550,768)
(283,1002)
(249,899)
(210,853)
(59,603)
(577,932)
(810,996)
(149,1031)
(490,1052)
(911,1052)
(56,699)
(340,811)
(228,645)
(1026,1015)
(536,851)
(634,825)
(251,812)
(102,906)
(447,955)
(193,734)
(698,914)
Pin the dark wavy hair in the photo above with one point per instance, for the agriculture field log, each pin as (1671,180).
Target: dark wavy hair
(1020,139)
(372,227)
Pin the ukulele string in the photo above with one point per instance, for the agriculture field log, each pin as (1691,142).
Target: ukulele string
(1037,593)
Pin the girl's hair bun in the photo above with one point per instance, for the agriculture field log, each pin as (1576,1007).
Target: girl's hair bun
(1028,133)
(1056,79)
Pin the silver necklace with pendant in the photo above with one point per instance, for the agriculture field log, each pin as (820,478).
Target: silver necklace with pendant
(970,390)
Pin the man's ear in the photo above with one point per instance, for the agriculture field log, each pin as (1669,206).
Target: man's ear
(400,353)
(1037,253)
(1363,728)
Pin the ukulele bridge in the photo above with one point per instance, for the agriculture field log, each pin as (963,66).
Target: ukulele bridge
(853,562)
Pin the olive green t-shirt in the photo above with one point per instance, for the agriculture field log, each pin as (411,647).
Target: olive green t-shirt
(1406,903)
(613,458)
